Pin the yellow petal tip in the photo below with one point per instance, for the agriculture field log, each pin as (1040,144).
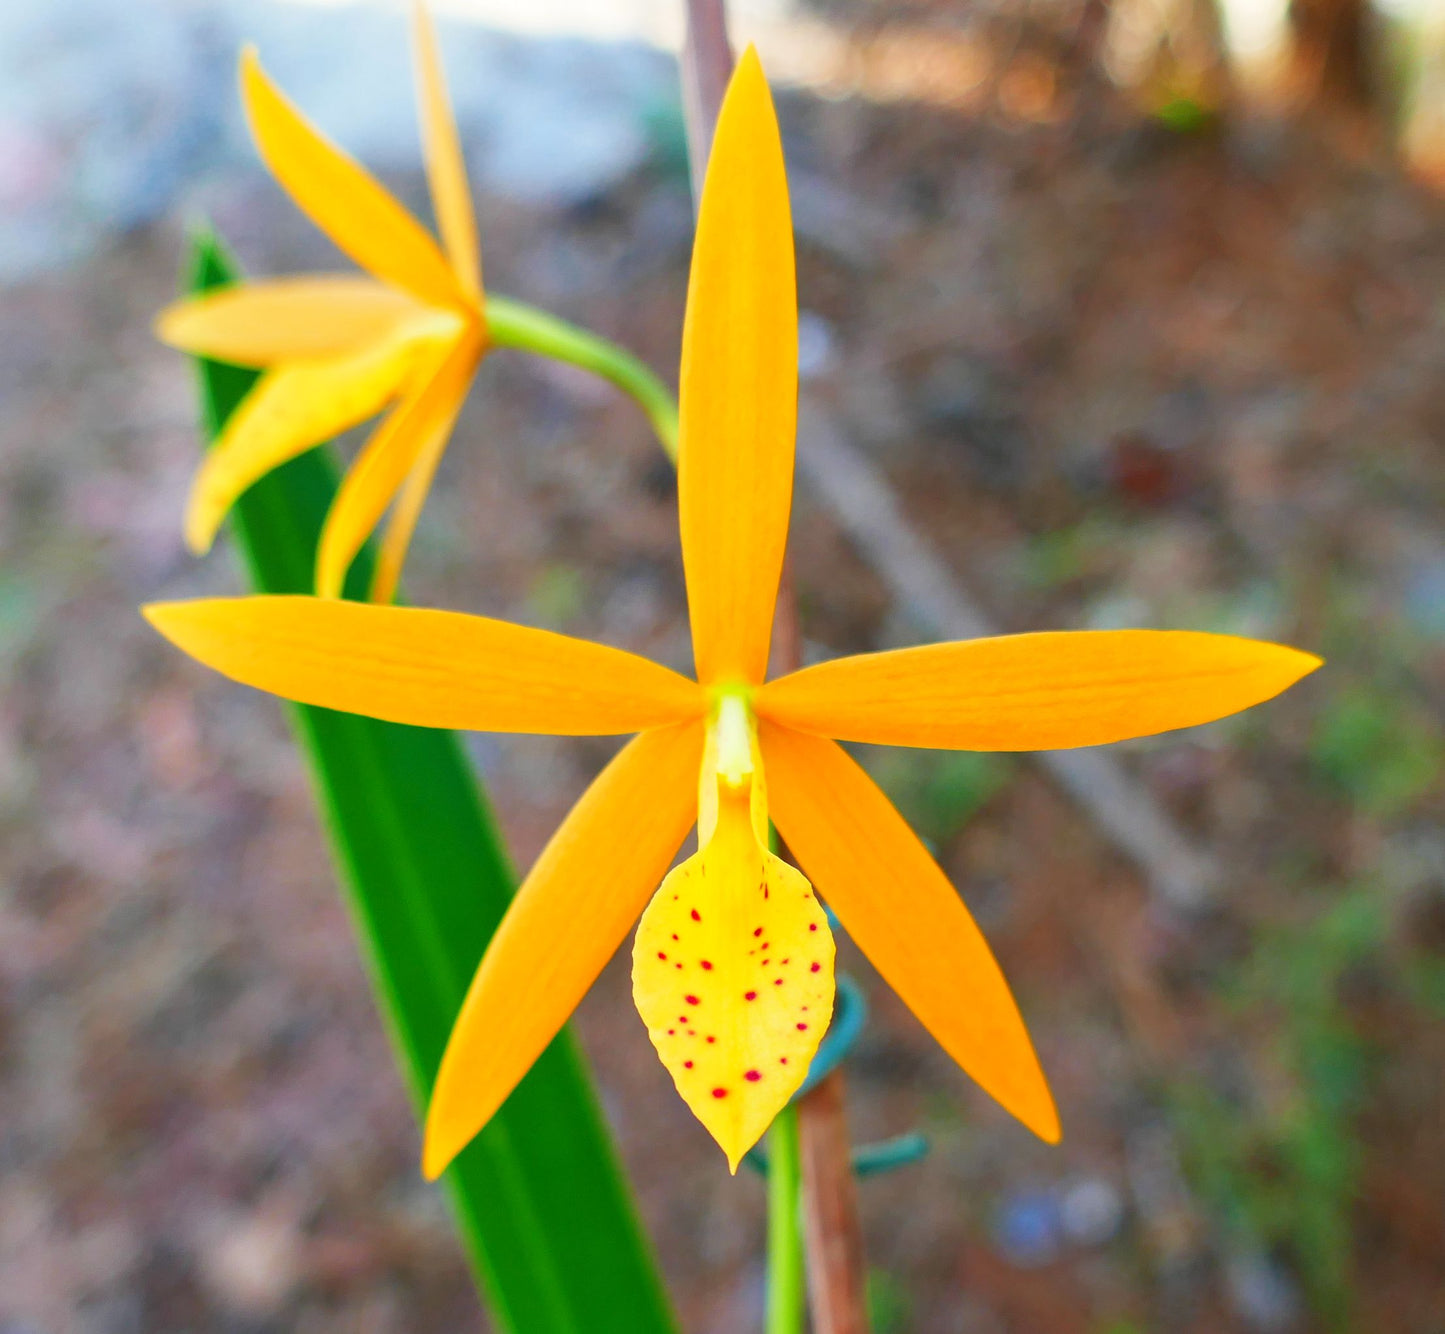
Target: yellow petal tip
(1029,1098)
(163,327)
(200,525)
(435,1160)
(164,617)
(1045,1124)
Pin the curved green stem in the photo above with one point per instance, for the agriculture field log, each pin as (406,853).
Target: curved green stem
(785,1234)
(513,324)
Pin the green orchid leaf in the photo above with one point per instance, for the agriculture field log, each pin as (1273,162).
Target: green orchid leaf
(543,1209)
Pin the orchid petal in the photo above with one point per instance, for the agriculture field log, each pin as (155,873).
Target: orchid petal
(1036,691)
(428,668)
(341,197)
(381,468)
(391,551)
(445,168)
(292,409)
(739,388)
(904,915)
(287,319)
(570,915)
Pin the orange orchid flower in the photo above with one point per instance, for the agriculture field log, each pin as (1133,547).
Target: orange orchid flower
(733,958)
(337,349)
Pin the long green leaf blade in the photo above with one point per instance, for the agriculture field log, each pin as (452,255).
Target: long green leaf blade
(544,1211)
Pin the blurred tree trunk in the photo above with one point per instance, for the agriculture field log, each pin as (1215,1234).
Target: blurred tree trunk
(1330,57)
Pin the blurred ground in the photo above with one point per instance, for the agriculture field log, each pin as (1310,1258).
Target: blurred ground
(1122,370)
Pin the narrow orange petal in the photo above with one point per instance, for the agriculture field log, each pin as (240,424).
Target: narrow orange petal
(904,915)
(1034,692)
(287,319)
(371,483)
(445,168)
(428,668)
(739,388)
(341,197)
(391,551)
(570,915)
(732,972)
(292,409)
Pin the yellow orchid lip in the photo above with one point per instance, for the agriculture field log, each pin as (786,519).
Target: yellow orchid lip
(732,962)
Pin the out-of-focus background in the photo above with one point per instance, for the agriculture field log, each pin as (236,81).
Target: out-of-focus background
(1136,307)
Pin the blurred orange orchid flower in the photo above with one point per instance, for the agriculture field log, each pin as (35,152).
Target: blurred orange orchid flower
(337,348)
(733,958)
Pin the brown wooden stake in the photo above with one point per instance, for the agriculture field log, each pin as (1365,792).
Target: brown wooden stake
(707,65)
(833,1238)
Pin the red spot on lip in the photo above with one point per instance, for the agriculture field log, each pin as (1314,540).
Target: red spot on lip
(696,916)
(692,1000)
(710,1038)
(812,926)
(816,968)
(752,1076)
(765,944)
(687,1065)
(671,1031)
(707,967)
(719,1093)
(661,955)
(674,934)
(802,1028)
(750,995)
(758,932)
(782,1060)
(777,981)
(677,965)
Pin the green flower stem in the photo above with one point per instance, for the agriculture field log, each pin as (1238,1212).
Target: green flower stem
(513,324)
(785,1234)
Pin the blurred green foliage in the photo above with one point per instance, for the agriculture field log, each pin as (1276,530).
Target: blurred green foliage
(557,595)
(1281,1172)
(1378,749)
(889,1308)
(1054,559)
(1185,115)
(938,792)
